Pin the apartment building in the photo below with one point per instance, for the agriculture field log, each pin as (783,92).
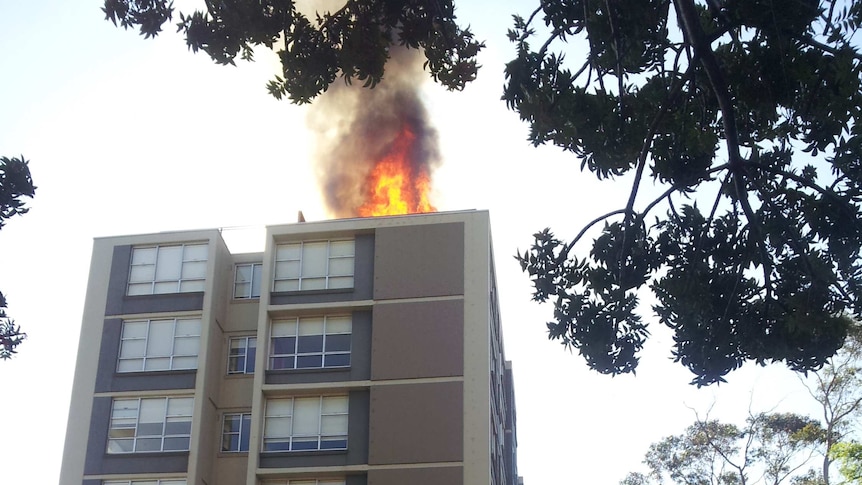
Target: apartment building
(349,352)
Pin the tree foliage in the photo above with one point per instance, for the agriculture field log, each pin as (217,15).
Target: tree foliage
(15,184)
(837,388)
(747,116)
(352,42)
(849,456)
(770,449)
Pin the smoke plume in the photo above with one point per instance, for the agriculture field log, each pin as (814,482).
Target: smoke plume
(356,127)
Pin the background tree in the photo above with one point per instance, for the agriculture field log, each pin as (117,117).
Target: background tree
(770,449)
(849,455)
(746,115)
(15,183)
(352,42)
(837,388)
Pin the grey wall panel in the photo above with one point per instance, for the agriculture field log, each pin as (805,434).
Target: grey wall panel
(418,339)
(357,442)
(120,261)
(360,359)
(99,462)
(419,261)
(416,423)
(417,476)
(363,280)
(357,480)
(108,380)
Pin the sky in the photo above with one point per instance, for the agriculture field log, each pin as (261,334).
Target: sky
(127,136)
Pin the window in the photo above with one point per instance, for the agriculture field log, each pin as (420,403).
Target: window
(155,481)
(314,265)
(235,432)
(241,355)
(178,268)
(166,344)
(144,425)
(305,482)
(306,423)
(246,281)
(310,342)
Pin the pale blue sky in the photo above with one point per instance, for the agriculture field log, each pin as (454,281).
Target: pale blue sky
(127,135)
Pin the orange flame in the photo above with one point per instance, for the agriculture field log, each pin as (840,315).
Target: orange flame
(392,186)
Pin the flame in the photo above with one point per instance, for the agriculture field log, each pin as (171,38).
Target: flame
(392,186)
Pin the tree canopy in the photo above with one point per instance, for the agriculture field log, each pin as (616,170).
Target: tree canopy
(15,184)
(743,113)
(746,116)
(352,42)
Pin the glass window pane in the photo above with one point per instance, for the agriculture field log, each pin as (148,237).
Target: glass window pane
(336,360)
(176,443)
(133,348)
(194,270)
(135,329)
(165,287)
(311,326)
(284,328)
(252,354)
(161,338)
(310,343)
(178,427)
(287,251)
(186,346)
(195,252)
(341,248)
(334,404)
(243,273)
(169,263)
(341,282)
(121,446)
(191,286)
(246,431)
(313,283)
(130,365)
(181,363)
(305,443)
(338,343)
(152,411)
(256,281)
(309,361)
(341,266)
(338,324)
(314,259)
(181,406)
(287,285)
(279,407)
(242,290)
(150,429)
(157,363)
(306,412)
(144,273)
(333,425)
(144,255)
(277,363)
(140,289)
(283,345)
(190,326)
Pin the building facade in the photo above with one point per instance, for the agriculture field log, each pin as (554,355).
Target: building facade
(349,352)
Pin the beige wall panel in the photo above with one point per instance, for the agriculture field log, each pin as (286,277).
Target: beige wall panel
(417,476)
(230,469)
(416,423)
(236,392)
(419,261)
(418,339)
(242,316)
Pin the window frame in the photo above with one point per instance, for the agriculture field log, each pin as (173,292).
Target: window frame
(282,278)
(248,360)
(274,438)
(121,417)
(147,339)
(297,354)
(192,284)
(244,432)
(256,278)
